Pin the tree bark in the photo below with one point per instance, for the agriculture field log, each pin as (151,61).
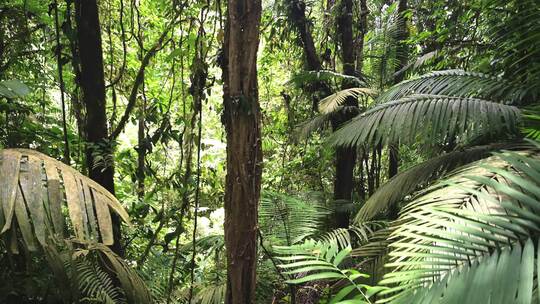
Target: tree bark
(345,156)
(93,95)
(242,118)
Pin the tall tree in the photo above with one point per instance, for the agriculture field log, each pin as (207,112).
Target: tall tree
(345,156)
(93,95)
(242,118)
(401,58)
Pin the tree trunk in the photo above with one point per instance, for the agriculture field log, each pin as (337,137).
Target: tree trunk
(93,94)
(362,31)
(241,118)
(402,58)
(345,156)
(297,16)
(142,144)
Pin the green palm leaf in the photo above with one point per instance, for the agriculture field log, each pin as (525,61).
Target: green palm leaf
(406,182)
(431,118)
(459,235)
(457,83)
(333,102)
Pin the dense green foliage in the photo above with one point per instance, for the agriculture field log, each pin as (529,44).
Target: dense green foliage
(444,92)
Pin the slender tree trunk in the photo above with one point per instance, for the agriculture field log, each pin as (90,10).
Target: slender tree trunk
(242,118)
(297,16)
(345,156)
(402,58)
(141,150)
(362,31)
(93,94)
(58,53)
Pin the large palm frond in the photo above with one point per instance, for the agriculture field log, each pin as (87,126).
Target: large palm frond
(37,194)
(457,83)
(406,182)
(35,189)
(479,223)
(430,118)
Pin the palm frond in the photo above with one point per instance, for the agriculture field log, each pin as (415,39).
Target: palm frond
(35,189)
(457,83)
(431,118)
(470,225)
(406,182)
(373,254)
(505,276)
(37,193)
(355,234)
(333,102)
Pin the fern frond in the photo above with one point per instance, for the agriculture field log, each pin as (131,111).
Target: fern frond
(316,260)
(133,286)
(96,284)
(433,118)
(288,219)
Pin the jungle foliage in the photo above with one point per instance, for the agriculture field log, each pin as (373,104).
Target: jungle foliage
(269,151)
